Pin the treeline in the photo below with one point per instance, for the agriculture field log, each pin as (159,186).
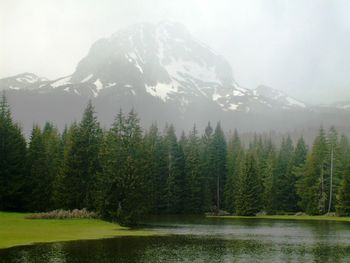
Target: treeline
(124,173)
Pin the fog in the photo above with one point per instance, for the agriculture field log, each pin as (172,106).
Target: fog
(298,46)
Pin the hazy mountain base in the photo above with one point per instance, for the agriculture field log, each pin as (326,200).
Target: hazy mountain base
(30,107)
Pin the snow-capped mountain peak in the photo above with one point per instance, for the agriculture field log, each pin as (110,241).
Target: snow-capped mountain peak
(164,62)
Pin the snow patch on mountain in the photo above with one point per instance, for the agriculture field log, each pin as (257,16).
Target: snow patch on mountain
(278,96)
(87,78)
(161,90)
(99,85)
(61,82)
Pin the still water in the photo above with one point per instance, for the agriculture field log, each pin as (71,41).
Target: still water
(204,240)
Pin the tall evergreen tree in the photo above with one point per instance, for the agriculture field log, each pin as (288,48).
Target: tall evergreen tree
(54,156)
(81,161)
(310,184)
(176,182)
(12,161)
(43,165)
(343,195)
(297,163)
(234,150)
(157,169)
(248,199)
(219,164)
(284,179)
(193,173)
(122,181)
(300,153)
(61,187)
(344,155)
(207,167)
(268,172)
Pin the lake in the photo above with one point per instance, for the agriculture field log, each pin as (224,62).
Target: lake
(195,239)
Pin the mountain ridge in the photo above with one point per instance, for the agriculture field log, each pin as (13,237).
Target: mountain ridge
(167,76)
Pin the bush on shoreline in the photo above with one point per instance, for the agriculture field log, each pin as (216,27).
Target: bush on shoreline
(64,214)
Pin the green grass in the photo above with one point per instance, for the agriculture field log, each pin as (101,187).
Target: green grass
(15,230)
(288,217)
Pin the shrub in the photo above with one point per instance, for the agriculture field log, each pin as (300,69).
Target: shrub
(64,214)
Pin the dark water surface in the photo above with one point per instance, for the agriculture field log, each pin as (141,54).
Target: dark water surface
(205,240)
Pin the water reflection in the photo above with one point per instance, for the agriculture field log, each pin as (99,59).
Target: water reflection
(203,240)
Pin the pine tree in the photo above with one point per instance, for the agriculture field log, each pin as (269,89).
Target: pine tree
(311,181)
(37,167)
(81,161)
(300,153)
(219,165)
(193,173)
(62,185)
(268,172)
(248,199)
(266,166)
(207,168)
(342,164)
(297,163)
(333,168)
(234,150)
(133,182)
(122,181)
(284,180)
(176,182)
(343,196)
(157,169)
(43,164)
(12,161)
(54,159)
(344,155)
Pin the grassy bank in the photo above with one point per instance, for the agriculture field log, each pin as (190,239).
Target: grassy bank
(288,217)
(16,230)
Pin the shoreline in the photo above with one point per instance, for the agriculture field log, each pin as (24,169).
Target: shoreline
(288,217)
(15,230)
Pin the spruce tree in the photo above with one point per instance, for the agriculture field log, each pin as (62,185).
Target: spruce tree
(343,195)
(39,181)
(12,161)
(133,181)
(311,179)
(176,182)
(234,150)
(207,167)
(248,199)
(54,159)
(193,173)
(334,168)
(268,173)
(219,165)
(344,155)
(81,161)
(157,169)
(300,153)
(122,181)
(284,179)
(297,163)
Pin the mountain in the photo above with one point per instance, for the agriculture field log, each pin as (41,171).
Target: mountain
(159,69)
(344,105)
(24,81)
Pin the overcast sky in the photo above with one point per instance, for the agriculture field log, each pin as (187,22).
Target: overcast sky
(299,46)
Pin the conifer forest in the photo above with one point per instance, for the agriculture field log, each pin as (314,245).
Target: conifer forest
(125,172)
